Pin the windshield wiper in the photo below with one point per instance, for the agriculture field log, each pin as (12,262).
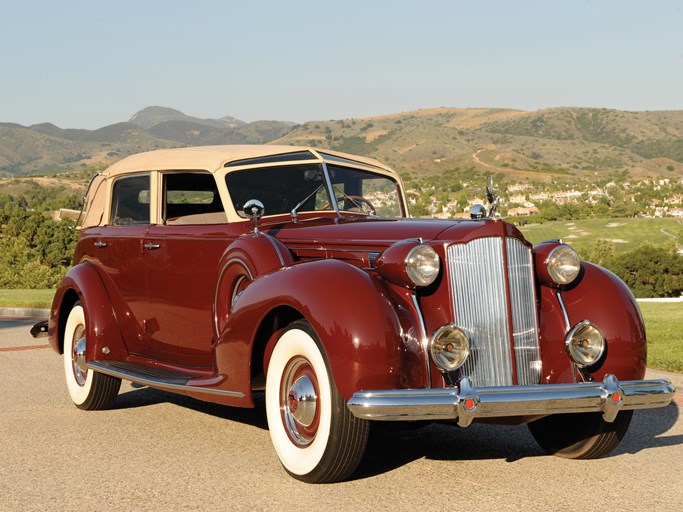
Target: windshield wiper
(295,212)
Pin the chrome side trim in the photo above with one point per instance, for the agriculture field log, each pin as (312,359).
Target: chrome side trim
(467,403)
(425,340)
(171,384)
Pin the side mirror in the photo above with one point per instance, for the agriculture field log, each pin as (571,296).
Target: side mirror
(254,210)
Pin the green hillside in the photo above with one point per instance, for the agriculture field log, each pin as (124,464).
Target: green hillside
(519,145)
(531,145)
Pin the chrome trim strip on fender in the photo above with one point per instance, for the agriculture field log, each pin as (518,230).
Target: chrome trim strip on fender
(467,403)
(564,312)
(218,282)
(178,384)
(425,340)
(277,249)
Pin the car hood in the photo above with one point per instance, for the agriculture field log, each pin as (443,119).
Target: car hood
(378,233)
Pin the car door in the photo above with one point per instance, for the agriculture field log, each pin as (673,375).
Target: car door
(117,250)
(181,256)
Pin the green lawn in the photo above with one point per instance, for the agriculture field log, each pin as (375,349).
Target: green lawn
(26,298)
(627,234)
(664,329)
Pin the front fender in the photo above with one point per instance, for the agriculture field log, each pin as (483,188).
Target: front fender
(350,311)
(83,283)
(604,299)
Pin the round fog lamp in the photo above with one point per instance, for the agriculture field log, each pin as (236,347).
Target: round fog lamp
(563,264)
(450,347)
(422,265)
(585,343)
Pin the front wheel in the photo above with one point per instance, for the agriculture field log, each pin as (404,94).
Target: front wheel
(580,435)
(314,434)
(88,389)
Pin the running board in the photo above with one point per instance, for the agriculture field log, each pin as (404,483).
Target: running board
(155,377)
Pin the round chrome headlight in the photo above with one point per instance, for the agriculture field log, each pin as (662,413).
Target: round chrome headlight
(585,343)
(422,265)
(563,264)
(450,347)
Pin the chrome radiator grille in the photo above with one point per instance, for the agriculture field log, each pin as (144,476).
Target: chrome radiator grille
(480,291)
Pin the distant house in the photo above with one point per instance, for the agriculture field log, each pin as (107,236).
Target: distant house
(569,196)
(539,196)
(517,199)
(522,212)
(518,187)
(65,213)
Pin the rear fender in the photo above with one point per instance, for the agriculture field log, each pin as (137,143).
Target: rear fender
(83,283)
(350,311)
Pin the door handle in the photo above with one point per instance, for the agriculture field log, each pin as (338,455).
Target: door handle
(151,246)
(99,244)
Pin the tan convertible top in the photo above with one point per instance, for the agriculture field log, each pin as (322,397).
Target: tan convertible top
(212,158)
(199,158)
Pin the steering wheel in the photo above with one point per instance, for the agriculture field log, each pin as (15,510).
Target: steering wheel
(358,199)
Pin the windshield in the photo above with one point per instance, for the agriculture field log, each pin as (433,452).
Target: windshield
(303,188)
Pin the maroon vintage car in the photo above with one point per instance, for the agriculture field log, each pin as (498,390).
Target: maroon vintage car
(230,271)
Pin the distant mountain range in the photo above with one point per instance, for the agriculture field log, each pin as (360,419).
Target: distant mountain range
(538,144)
(45,148)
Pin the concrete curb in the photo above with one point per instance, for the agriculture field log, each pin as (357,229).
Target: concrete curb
(675,378)
(25,312)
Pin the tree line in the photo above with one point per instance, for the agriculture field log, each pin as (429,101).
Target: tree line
(36,251)
(649,271)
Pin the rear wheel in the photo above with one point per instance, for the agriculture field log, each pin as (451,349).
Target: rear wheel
(314,434)
(88,389)
(580,435)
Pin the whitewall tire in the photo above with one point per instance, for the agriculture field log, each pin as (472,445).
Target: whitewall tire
(314,434)
(88,389)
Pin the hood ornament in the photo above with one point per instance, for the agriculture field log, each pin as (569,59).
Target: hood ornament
(478,211)
(492,197)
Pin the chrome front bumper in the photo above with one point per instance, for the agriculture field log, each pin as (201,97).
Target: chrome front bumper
(466,403)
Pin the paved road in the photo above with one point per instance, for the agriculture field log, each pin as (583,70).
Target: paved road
(159,451)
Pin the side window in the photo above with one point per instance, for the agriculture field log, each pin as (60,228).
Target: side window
(130,201)
(192,198)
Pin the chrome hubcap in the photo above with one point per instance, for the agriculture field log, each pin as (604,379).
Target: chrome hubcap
(303,401)
(78,360)
(299,401)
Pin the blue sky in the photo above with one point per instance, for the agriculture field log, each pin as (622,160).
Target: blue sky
(87,64)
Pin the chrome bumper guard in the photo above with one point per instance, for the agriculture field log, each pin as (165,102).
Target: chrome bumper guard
(467,403)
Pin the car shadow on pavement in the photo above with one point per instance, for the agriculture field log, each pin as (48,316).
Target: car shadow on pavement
(393,445)
(390,448)
(143,396)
